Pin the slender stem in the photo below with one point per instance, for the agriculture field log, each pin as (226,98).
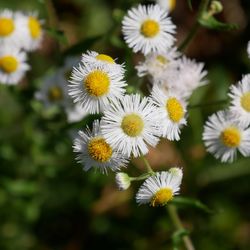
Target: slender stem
(149,169)
(200,105)
(177,223)
(195,27)
(141,177)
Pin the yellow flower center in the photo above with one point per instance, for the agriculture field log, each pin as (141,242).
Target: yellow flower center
(6,26)
(231,137)
(245,101)
(105,58)
(35,27)
(55,94)
(97,83)
(172,4)
(132,125)
(162,59)
(150,28)
(174,109)
(8,64)
(161,197)
(99,150)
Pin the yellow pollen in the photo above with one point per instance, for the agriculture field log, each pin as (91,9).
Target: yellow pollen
(6,26)
(150,28)
(174,109)
(97,83)
(132,125)
(161,197)
(231,137)
(105,58)
(245,101)
(172,4)
(35,27)
(162,59)
(99,149)
(55,94)
(8,64)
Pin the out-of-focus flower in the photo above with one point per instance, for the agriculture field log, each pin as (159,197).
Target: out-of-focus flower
(169,5)
(13,64)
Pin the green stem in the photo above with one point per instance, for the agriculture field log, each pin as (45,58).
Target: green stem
(178,225)
(195,27)
(141,177)
(200,105)
(149,169)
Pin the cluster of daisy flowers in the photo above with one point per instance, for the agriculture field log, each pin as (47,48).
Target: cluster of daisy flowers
(228,131)
(129,124)
(19,33)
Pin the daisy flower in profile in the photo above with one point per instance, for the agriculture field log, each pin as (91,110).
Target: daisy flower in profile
(32,29)
(148,29)
(172,110)
(157,65)
(53,91)
(191,75)
(10,28)
(93,86)
(168,5)
(13,64)
(94,151)
(130,125)
(240,100)
(223,136)
(92,57)
(123,181)
(159,189)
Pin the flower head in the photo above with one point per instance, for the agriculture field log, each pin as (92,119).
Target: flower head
(159,189)
(94,151)
(13,64)
(172,110)
(240,100)
(223,136)
(148,29)
(122,180)
(168,5)
(130,125)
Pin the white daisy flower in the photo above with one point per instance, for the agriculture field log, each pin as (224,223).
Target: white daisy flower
(11,30)
(240,100)
(32,31)
(13,64)
(223,136)
(92,57)
(122,180)
(190,76)
(93,86)
(130,125)
(176,171)
(148,29)
(168,5)
(53,91)
(94,151)
(159,189)
(172,110)
(157,65)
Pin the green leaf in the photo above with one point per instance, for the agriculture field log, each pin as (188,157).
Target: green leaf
(189,202)
(190,4)
(82,45)
(211,22)
(58,35)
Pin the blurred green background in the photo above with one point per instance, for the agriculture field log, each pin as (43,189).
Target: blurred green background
(46,200)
